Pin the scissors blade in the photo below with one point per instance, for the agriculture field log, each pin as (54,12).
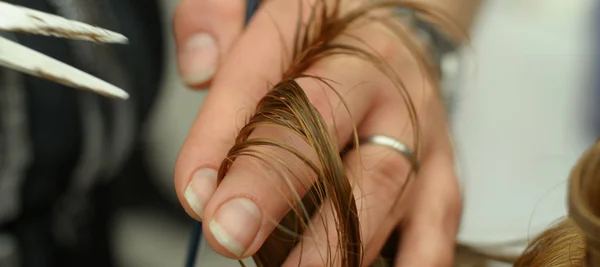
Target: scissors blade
(21,58)
(20,19)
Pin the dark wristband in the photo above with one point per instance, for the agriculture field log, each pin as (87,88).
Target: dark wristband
(251,7)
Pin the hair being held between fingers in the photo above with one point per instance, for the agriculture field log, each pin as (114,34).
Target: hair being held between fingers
(286,106)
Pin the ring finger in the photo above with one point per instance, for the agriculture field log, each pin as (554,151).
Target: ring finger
(378,174)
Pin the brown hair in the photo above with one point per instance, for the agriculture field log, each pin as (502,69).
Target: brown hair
(574,242)
(286,106)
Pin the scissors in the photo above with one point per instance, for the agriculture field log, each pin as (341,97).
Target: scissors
(18,57)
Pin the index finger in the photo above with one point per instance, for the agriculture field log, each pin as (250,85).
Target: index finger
(254,62)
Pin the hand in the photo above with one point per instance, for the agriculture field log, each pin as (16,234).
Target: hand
(239,214)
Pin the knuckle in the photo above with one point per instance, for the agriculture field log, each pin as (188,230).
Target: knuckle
(389,48)
(317,93)
(390,173)
(384,41)
(321,103)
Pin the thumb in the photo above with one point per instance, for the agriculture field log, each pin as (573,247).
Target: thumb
(204,32)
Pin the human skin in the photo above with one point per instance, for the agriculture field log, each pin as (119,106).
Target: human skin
(215,49)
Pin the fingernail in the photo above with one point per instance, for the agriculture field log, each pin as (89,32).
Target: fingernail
(199,59)
(200,190)
(236,224)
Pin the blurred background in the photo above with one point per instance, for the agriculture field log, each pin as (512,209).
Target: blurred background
(521,115)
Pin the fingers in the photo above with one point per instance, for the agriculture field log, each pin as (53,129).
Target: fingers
(428,234)
(431,209)
(204,32)
(377,198)
(241,82)
(255,195)
(378,177)
(381,173)
(241,213)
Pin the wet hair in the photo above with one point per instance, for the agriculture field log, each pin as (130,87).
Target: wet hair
(286,106)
